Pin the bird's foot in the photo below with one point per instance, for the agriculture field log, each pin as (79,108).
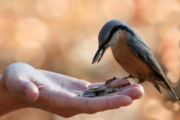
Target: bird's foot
(114,78)
(110,80)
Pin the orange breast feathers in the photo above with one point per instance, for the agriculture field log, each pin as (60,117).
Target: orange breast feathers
(126,57)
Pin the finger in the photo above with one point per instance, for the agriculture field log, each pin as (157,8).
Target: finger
(68,114)
(76,92)
(82,84)
(92,105)
(134,91)
(118,83)
(97,84)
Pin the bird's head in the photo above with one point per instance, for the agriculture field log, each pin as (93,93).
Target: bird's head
(108,36)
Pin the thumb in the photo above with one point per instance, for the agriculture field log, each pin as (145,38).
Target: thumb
(18,80)
(28,89)
(23,88)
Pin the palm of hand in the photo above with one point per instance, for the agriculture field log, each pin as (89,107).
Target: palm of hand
(58,93)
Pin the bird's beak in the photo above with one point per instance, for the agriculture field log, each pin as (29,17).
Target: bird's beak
(98,55)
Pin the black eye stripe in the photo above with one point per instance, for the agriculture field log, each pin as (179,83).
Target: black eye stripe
(114,31)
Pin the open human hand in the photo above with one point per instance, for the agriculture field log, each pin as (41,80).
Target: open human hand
(58,93)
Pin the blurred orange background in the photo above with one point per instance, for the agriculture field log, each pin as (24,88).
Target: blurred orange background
(61,36)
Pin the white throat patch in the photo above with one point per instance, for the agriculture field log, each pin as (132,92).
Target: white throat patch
(114,38)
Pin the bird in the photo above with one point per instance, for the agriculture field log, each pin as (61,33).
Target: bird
(133,54)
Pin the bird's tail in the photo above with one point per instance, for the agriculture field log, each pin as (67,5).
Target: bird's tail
(166,85)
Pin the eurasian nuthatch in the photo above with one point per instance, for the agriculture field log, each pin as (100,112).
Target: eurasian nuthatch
(133,54)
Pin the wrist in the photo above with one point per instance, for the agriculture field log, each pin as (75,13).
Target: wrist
(8,102)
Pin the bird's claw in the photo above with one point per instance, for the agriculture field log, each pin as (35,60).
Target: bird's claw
(110,80)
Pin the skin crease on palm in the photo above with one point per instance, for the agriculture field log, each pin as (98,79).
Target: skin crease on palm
(23,86)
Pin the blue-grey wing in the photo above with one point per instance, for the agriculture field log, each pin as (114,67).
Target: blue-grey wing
(142,50)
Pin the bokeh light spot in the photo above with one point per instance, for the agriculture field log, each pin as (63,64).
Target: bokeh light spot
(52,8)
